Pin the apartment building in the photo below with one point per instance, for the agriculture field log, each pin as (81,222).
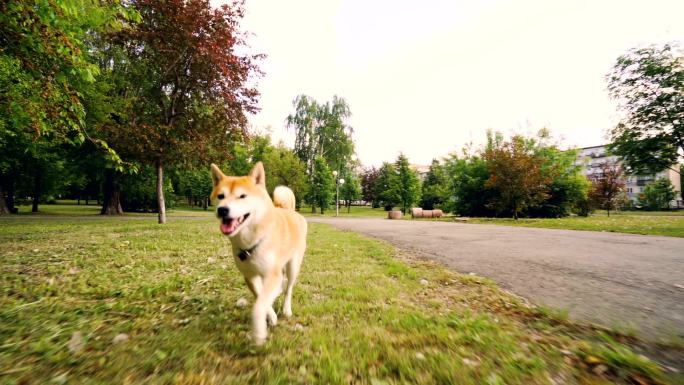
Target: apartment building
(592,158)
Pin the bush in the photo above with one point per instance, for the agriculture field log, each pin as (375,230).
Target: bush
(657,195)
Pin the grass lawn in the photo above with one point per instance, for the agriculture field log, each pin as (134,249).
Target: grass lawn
(69,208)
(167,294)
(355,211)
(648,223)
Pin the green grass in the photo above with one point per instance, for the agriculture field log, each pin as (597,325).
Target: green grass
(659,223)
(361,314)
(69,208)
(354,212)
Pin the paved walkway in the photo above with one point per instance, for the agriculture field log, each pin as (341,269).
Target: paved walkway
(613,279)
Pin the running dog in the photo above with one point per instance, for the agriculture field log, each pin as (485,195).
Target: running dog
(268,239)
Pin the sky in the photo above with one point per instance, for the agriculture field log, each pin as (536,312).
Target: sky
(427,77)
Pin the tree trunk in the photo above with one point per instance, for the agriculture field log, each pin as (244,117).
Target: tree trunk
(161,218)
(37,184)
(111,204)
(9,187)
(4,208)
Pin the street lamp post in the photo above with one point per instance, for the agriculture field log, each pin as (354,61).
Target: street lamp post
(338,182)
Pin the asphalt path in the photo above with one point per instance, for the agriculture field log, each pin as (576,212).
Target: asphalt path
(617,280)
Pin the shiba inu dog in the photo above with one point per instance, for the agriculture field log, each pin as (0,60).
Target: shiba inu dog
(268,239)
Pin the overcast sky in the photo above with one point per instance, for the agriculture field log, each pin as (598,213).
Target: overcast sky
(426,77)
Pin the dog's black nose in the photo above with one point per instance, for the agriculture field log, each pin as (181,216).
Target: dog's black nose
(222,212)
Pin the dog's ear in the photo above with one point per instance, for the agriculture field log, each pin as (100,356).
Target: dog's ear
(216,174)
(258,174)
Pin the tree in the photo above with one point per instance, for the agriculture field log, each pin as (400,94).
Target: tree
(46,69)
(516,174)
(350,190)
(322,185)
(368,181)
(194,183)
(648,84)
(658,195)
(190,86)
(568,188)
(434,187)
(607,186)
(468,193)
(284,168)
(408,185)
(321,131)
(385,188)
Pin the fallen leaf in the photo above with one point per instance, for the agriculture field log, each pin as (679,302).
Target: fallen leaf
(592,360)
(76,344)
(119,338)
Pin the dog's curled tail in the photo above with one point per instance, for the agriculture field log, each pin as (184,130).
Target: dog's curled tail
(284,197)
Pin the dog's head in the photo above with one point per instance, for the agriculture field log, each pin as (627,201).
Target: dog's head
(239,199)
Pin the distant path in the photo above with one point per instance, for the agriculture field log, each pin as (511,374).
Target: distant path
(612,279)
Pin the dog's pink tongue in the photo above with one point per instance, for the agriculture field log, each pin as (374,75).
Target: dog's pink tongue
(227,228)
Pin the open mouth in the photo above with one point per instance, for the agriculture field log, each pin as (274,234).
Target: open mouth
(229,225)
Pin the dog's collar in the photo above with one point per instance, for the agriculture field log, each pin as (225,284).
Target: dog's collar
(246,253)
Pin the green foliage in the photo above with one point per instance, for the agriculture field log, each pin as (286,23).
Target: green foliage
(321,131)
(435,190)
(284,168)
(568,189)
(528,167)
(240,162)
(658,195)
(321,191)
(47,72)
(408,184)
(467,190)
(648,84)
(386,189)
(46,64)
(351,189)
(139,192)
(194,184)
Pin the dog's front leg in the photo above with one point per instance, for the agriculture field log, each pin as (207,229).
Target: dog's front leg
(255,286)
(264,303)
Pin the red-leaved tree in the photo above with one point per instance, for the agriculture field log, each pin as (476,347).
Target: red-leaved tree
(515,172)
(607,187)
(189,83)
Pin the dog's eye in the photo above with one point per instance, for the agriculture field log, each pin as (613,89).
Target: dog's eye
(221,196)
(243,196)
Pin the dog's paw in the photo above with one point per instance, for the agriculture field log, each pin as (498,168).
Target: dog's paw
(259,341)
(287,313)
